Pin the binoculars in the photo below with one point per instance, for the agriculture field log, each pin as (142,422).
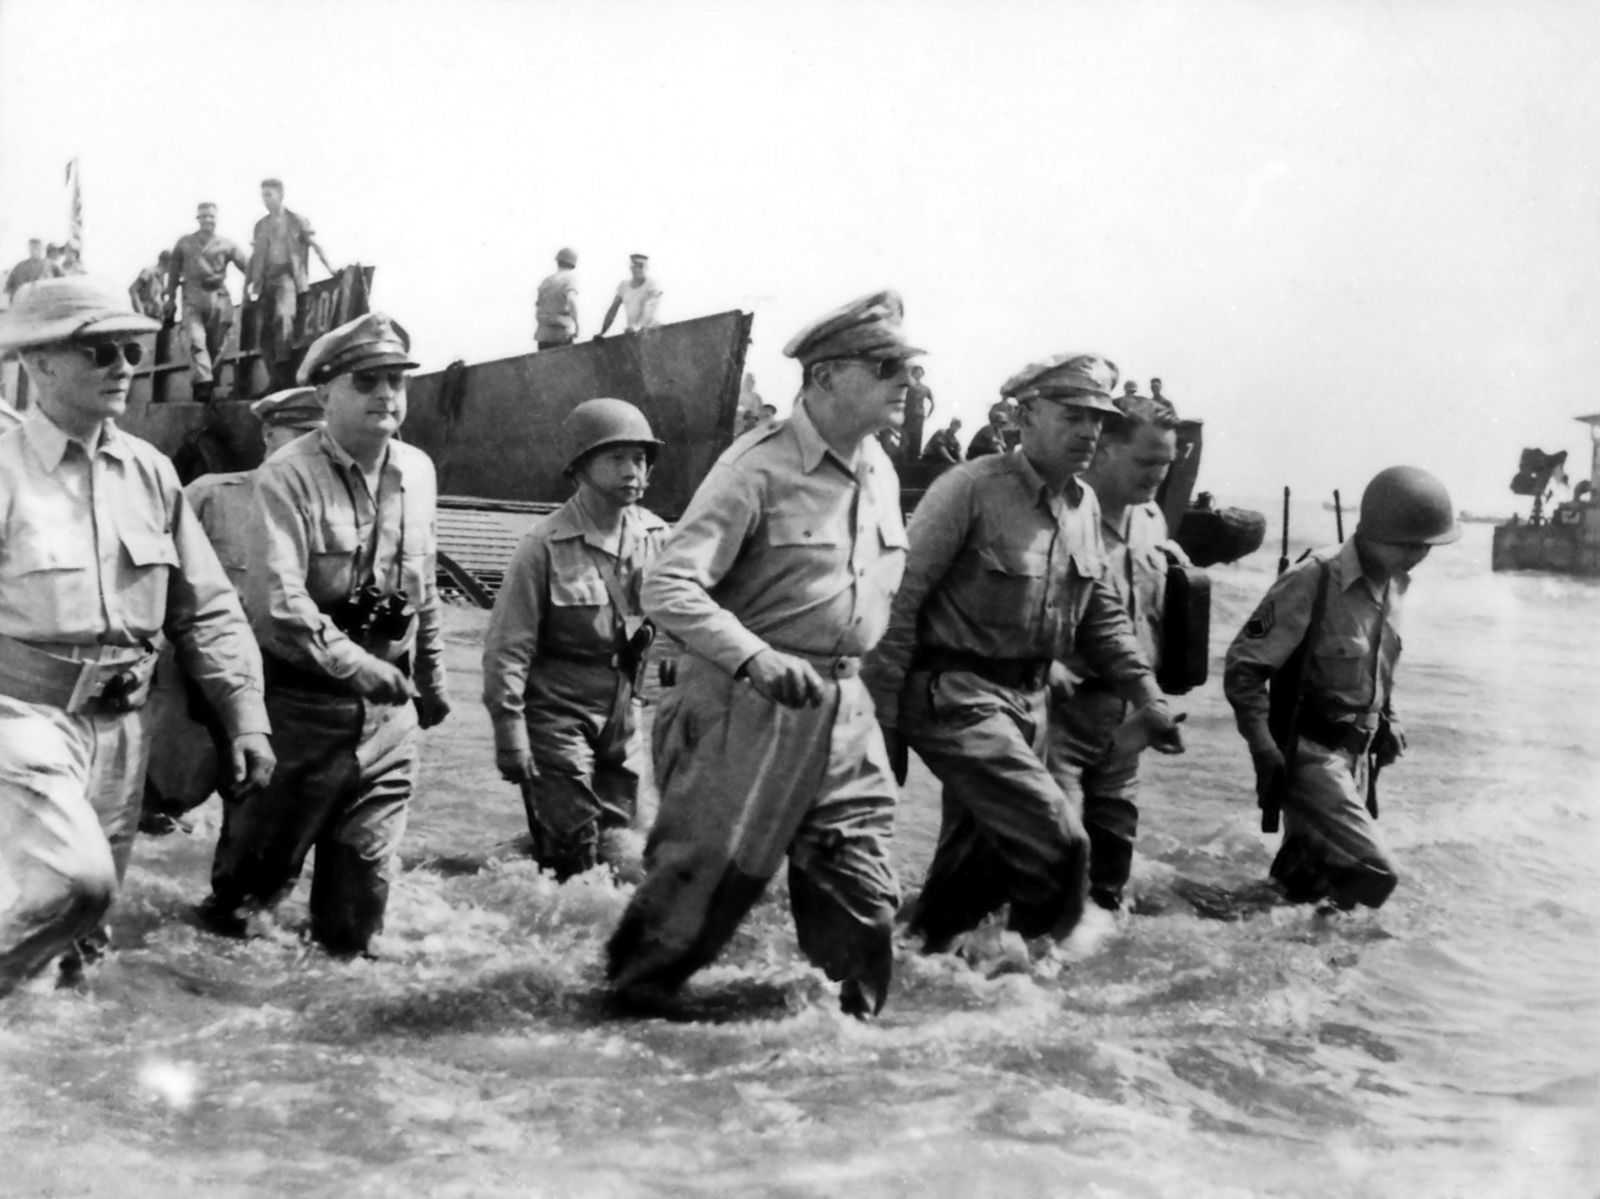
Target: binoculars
(371,615)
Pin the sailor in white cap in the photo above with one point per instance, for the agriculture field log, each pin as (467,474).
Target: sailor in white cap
(777,580)
(102,557)
(638,296)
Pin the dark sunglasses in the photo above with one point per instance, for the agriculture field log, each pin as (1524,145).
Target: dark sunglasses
(104,354)
(883,369)
(366,382)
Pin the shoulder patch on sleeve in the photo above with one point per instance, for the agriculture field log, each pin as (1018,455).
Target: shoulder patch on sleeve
(1259,625)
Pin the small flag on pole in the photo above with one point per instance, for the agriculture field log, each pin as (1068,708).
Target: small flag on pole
(74,207)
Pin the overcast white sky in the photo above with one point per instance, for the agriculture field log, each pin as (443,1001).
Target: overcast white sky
(1344,233)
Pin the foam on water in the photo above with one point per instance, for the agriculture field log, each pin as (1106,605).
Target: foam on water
(1449,1044)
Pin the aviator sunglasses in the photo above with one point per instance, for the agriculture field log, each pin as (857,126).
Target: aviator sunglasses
(105,353)
(366,382)
(883,369)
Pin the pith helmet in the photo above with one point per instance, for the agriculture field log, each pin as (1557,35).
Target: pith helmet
(604,421)
(77,306)
(1405,505)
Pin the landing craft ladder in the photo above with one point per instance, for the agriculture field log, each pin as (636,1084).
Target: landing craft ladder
(476,540)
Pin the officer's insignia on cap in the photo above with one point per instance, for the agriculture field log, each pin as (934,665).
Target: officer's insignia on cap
(1259,625)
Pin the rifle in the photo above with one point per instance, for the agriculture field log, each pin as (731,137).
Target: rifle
(1283,556)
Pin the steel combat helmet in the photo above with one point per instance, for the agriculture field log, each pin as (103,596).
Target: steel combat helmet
(597,423)
(1405,505)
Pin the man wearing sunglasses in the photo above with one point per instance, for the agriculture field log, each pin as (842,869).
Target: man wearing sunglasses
(199,264)
(1005,577)
(340,590)
(102,557)
(777,580)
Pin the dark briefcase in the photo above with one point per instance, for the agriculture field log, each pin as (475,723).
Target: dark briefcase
(1185,628)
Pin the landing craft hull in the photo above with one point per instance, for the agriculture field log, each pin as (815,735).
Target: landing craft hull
(493,429)
(1567,543)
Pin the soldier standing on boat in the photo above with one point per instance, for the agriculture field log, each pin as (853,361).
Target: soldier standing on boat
(341,592)
(199,265)
(30,270)
(555,308)
(280,259)
(188,743)
(565,651)
(1006,576)
(1138,445)
(777,580)
(1328,632)
(638,296)
(148,291)
(100,556)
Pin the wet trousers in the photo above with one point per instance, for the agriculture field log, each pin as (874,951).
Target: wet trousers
(745,782)
(1331,848)
(1084,763)
(346,768)
(580,718)
(279,303)
(207,317)
(70,788)
(189,757)
(1009,832)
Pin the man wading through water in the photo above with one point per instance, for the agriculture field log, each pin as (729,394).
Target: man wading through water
(1336,616)
(777,579)
(1007,575)
(565,649)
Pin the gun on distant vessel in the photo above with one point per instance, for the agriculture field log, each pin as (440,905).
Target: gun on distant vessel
(1338,516)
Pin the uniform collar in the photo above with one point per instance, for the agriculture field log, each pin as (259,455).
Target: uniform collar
(571,521)
(49,440)
(1036,485)
(1350,572)
(340,458)
(813,449)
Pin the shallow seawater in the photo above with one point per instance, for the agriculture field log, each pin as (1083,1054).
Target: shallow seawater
(1447,1045)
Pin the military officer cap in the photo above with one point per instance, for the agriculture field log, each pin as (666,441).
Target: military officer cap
(71,308)
(868,327)
(366,343)
(641,259)
(291,408)
(1078,380)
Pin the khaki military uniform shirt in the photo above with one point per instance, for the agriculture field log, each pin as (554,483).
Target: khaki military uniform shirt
(555,603)
(200,263)
(786,545)
(1350,671)
(223,501)
(1001,568)
(1137,567)
(105,550)
(317,534)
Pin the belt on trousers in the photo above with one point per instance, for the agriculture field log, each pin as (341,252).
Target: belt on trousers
(280,672)
(116,679)
(1344,735)
(1020,674)
(829,666)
